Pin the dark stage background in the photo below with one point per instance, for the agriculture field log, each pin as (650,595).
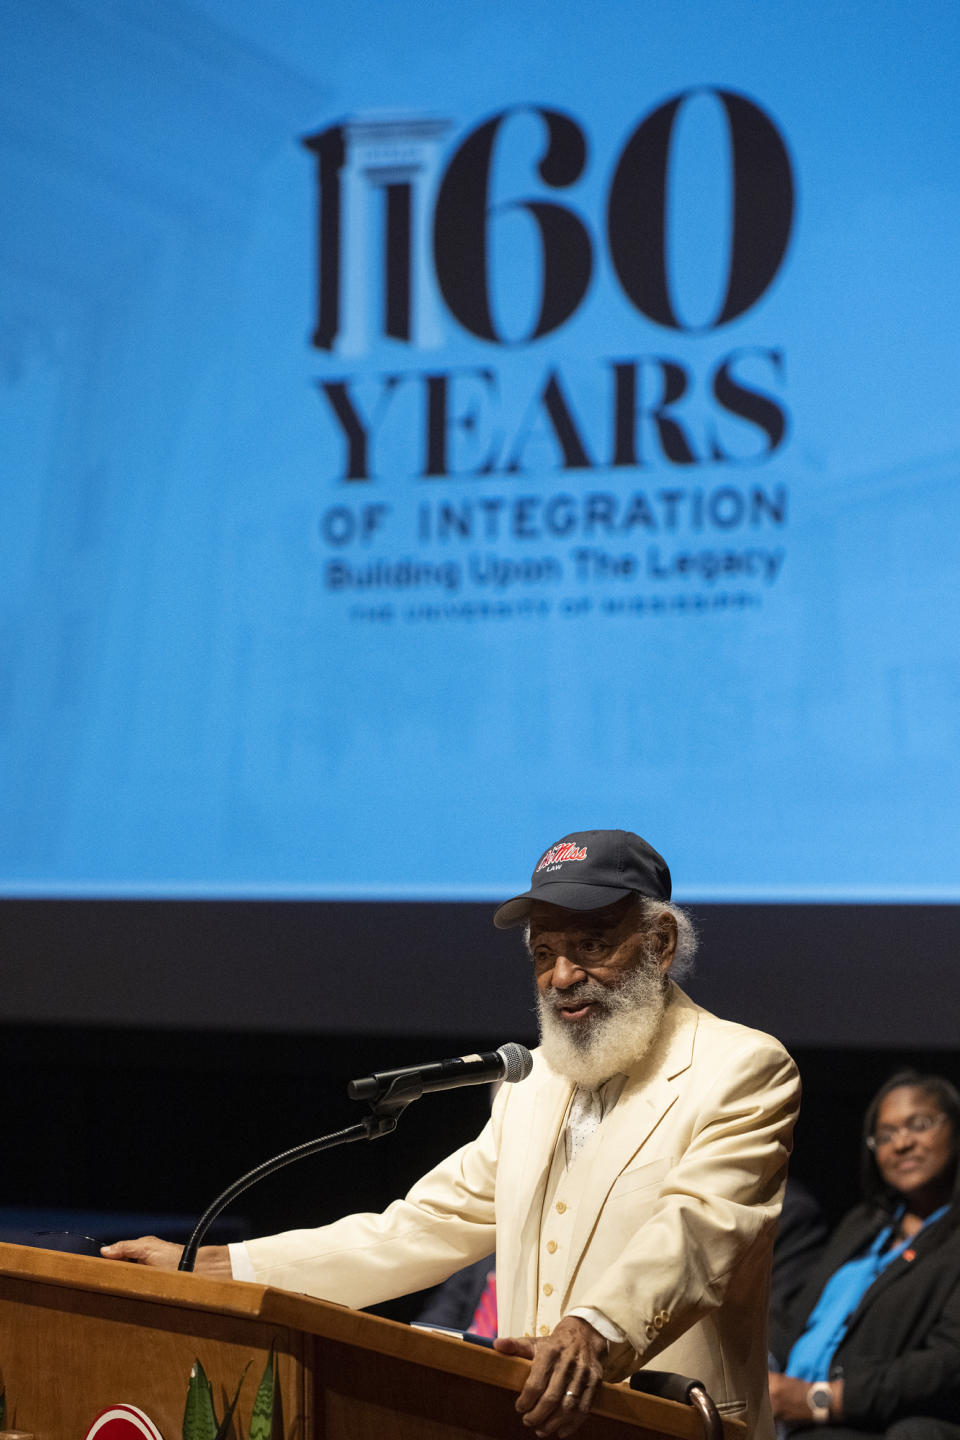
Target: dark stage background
(156,1115)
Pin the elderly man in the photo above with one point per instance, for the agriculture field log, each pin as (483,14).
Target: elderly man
(632,1184)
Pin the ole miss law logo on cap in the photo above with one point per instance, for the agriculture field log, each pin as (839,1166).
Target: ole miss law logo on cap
(557,854)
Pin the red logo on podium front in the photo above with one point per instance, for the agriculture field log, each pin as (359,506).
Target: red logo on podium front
(123,1422)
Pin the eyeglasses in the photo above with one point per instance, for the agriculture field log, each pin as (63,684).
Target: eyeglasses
(913,1125)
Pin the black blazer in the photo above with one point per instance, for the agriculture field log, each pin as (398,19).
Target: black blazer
(900,1355)
(797,1246)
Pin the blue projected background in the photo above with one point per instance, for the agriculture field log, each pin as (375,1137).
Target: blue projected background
(428,430)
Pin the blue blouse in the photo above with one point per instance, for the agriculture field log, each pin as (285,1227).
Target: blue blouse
(811,1355)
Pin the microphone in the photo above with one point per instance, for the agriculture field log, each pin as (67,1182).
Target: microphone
(511,1063)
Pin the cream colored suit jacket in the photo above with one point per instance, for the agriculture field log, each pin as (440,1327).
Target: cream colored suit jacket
(668,1215)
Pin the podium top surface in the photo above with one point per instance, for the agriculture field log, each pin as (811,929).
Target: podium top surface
(322,1318)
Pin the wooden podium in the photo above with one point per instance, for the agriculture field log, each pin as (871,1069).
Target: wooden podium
(80,1335)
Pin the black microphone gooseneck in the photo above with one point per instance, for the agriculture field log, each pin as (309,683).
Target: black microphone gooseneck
(389,1093)
(370,1128)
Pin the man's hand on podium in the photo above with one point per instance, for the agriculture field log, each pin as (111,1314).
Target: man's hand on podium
(213,1260)
(566,1372)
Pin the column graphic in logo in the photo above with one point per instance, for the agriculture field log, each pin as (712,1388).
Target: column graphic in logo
(365,165)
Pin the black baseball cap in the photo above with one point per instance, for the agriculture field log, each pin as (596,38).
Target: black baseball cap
(587,870)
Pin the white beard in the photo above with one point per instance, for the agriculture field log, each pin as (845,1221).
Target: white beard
(611,1039)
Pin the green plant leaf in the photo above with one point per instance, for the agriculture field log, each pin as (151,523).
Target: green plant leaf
(261,1421)
(225,1422)
(199,1416)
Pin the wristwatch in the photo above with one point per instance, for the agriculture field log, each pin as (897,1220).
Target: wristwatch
(820,1398)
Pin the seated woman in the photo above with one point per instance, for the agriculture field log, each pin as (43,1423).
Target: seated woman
(872,1344)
